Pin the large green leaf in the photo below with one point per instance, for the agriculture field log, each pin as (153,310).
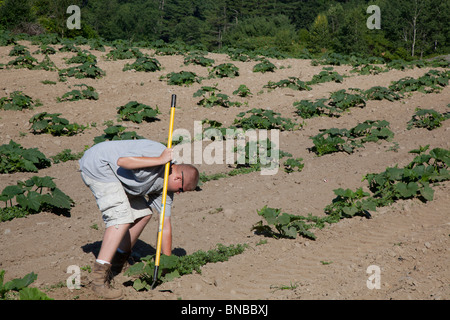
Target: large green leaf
(427,192)
(12,191)
(406,190)
(32,294)
(31,201)
(20,283)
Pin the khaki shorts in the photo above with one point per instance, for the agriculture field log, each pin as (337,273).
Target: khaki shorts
(116,205)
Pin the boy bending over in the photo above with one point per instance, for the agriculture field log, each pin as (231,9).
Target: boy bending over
(120,174)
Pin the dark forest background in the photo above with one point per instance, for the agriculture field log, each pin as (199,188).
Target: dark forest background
(410,29)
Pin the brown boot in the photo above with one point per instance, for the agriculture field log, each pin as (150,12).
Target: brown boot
(120,262)
(101,282)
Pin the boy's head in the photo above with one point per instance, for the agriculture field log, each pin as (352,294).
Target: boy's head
(183,177)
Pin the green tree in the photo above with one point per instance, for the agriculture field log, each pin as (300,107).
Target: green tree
(319,36)
(15,12)
(417,25)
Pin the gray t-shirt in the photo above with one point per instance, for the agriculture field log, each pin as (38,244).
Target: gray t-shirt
(100,163)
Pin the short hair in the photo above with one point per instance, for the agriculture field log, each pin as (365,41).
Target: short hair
(191,176)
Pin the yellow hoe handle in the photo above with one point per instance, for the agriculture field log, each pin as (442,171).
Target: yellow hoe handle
(164,194)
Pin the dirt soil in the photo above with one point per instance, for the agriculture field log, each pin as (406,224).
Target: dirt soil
(408,241)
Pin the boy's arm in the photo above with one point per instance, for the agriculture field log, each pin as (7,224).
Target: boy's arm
(145,162)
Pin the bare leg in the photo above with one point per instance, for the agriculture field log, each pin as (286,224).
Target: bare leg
(130,239)
(111,241)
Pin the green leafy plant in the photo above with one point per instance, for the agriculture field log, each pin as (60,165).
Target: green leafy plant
(264,66)
(48,82)
(333,140)
(117,132)
(349,203)
(326,75)
(368,69)
(380,93)
(427,118)
(86,92)
(242,91)
(69,47)
(182,78)
(97,44)
(334,59)
(66,155)
(32,196)
(18,101)
(263,119)
(15,158)
(293,164)
(122,52)
(224,70)
(432,81)
(308,109)
(19,50)
(211,98)
(45,49)
(198,59)
(292,83)
(82,57)
(86,70)
(19,288)
(175,266)
(399,64)
(337,103)
(412,180)
(168,49)
(280,224)
(238,54)
(342,100)
(337,140)
(137,112)
(46,64)
(143,64)
(51,123)
(23,61)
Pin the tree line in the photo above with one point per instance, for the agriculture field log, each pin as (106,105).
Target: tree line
(410,29)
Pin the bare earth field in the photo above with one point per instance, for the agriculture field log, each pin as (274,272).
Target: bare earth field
(408,241)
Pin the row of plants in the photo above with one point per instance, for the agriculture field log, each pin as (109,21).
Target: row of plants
(181,48)
(413,181)
(86,68)
(427,118)
(173,266)
(347,140)
(17,100)
(337,59)
(326,142)
(341,100)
